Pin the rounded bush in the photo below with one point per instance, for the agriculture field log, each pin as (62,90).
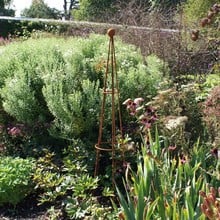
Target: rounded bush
(60,81)
(15,179)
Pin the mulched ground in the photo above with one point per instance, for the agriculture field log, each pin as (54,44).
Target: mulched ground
(26,210)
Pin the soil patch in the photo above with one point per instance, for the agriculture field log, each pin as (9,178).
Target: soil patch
(28,209)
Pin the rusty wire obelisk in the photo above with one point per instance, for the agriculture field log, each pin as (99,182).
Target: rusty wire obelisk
(111,88)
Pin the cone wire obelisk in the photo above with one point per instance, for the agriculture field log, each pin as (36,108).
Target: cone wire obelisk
(111,88)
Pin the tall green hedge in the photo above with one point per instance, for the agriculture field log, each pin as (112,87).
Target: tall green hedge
(17,28)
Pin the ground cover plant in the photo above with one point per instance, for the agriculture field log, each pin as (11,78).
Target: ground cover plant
(15,179)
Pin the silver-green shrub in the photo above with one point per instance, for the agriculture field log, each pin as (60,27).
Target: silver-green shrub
(21,81)
(60,80)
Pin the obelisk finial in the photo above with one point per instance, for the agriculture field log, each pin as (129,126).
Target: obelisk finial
(111,32)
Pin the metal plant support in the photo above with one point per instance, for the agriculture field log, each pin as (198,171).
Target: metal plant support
(111,88)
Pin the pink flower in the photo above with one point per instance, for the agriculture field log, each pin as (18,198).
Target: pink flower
(149,111)
(137,101)
(183,159)
(132,106)
(145,121)
(15,131)
(128,102)
(172,148)
(215,152)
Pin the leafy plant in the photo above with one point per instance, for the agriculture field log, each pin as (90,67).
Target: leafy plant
(195,10)
(210,81)
(211,203)
(180,114)
(138,80)
(84,199)
(47,177)
(64,82)
(70,186)
(212,116)
(21,89)
(165,187)
(165,184)
(15,179)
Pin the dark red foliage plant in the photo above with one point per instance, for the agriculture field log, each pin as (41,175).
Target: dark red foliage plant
(211,116)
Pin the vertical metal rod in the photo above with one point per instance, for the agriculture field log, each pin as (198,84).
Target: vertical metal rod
(102,115)
(113,108)
(112,90)
(118,102)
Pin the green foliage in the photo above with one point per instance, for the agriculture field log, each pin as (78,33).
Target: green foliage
(4,8)
(15,28)
(138,80)
(212,115)
(70,185)
(194,10)
(59,81)
(210,82)
(22,93)
(7,12)
(15,179)
(39,9)
(22,110)
(180,115)
(165,187)
(91,10)
(4,3)
(81,202)
(47,178)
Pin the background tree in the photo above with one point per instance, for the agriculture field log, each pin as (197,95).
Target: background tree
(165,4)
(2,4)
(194,10)
(5,8)
(94,10)
(39,9)
(5,3)
(110,10)
(68,6)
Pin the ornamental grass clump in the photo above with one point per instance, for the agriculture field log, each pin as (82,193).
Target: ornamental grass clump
(164,185)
